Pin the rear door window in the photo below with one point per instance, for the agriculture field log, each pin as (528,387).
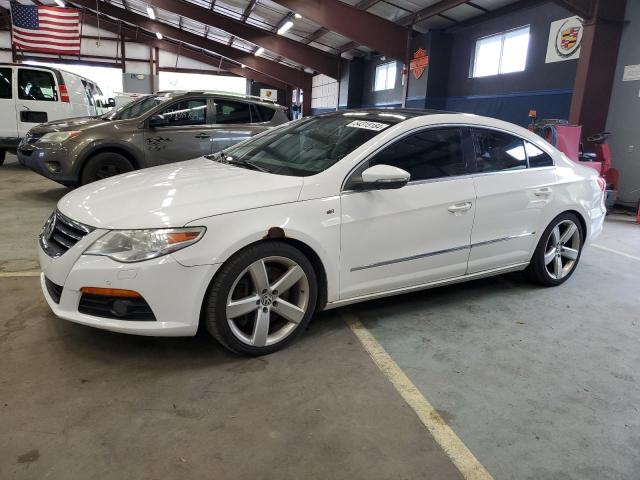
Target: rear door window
(260,113)
(36,85)
(537,158)
(498,151)
(6,74)
(231,111)
(186,112)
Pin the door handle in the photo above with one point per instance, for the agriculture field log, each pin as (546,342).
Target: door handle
(202,135)
(542,192)
(460,207)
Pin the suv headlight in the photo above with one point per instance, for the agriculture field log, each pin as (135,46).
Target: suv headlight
(137,245)
(58,137)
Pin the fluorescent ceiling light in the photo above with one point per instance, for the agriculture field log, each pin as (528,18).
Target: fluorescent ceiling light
(159,35)
(60,3)
(151,12)
(297,15)
(243,65)
(259,51)
(287,25)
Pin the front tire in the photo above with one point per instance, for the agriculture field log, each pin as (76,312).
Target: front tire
(261,298)
(558,252)
(104,165)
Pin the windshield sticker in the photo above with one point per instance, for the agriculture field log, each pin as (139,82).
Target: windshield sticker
(376,126)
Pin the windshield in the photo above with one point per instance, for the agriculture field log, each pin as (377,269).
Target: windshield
(306,147)
(137,107)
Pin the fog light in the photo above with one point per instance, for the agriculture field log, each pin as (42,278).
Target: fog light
(120,308)
(53,167)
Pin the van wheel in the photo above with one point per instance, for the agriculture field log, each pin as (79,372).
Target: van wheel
(261,298)
(3,153)
(104,165)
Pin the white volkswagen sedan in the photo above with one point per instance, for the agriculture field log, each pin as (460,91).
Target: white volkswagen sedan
(315,214)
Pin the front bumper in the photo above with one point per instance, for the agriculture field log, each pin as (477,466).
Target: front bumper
(174,292)
(37,158)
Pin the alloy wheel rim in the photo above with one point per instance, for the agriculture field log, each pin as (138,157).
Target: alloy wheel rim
(267,301)
(562,249)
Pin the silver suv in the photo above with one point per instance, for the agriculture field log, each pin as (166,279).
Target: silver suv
(153,130)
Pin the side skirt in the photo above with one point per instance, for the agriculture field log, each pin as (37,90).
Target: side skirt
(424,286)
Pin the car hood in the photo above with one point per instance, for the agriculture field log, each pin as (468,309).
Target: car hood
(77,123)
(176,194)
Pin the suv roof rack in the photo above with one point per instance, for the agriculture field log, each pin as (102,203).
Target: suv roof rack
(218,92)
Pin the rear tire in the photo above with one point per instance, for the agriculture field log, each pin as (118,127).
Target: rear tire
(104,165)
(558,252)
(3,154)
(261,299)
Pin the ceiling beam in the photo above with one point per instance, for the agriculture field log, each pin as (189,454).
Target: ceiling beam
(248,10)
(582,8)
(431,11)
(286,47)
(148,38)
(275,70)
(498,12)
(361,26)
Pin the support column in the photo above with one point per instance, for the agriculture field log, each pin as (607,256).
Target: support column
(596,66)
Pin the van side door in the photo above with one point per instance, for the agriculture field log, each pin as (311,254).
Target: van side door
(38,99)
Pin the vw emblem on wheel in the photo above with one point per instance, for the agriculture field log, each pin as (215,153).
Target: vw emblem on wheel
(266,300)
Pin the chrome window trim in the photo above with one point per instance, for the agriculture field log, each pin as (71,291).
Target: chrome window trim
(440,252)
(448,125)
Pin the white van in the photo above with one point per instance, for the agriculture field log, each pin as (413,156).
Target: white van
(30,95)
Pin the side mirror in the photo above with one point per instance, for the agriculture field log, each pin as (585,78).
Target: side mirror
(384,177)
(158,121)
(111,102)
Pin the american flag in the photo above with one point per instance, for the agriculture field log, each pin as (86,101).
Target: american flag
(40,28)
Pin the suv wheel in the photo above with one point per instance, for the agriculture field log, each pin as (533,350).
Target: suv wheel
(261,298)
(104,165)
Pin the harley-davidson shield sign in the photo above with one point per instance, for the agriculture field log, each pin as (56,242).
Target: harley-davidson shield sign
(419,62)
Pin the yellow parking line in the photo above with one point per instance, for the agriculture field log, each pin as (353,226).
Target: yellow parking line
(607,249)
(28,273)
(462,458)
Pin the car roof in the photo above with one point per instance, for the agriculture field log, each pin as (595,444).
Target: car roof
(230,95)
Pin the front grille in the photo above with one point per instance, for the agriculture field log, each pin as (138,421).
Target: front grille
(55,291)
(117,308)
(60,233)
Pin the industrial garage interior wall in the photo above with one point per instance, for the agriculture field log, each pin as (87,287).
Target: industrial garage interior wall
(624,110)
(324,94)
(545,87)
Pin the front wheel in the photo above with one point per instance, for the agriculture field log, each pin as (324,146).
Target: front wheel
(104,165)
(558,252)
(261,298)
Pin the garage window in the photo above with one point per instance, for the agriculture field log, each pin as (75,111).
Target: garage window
(497,151)
(36,85)
(504,52)
(5,82)
(186,112)
(385,77)
(433,153)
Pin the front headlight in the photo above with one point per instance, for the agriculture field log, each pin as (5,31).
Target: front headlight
(58,137)
(137,245)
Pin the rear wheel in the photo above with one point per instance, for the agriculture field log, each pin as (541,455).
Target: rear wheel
(558,252)
(104,165)
(261,299)
(3,154)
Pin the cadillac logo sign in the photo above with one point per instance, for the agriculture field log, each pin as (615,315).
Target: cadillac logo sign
(565,37)
(419,62)
(569,37)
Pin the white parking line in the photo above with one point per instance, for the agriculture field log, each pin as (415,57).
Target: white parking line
(607,249)
(445,437)
(28,273)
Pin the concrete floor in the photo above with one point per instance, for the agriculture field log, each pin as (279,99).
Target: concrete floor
(538,383)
